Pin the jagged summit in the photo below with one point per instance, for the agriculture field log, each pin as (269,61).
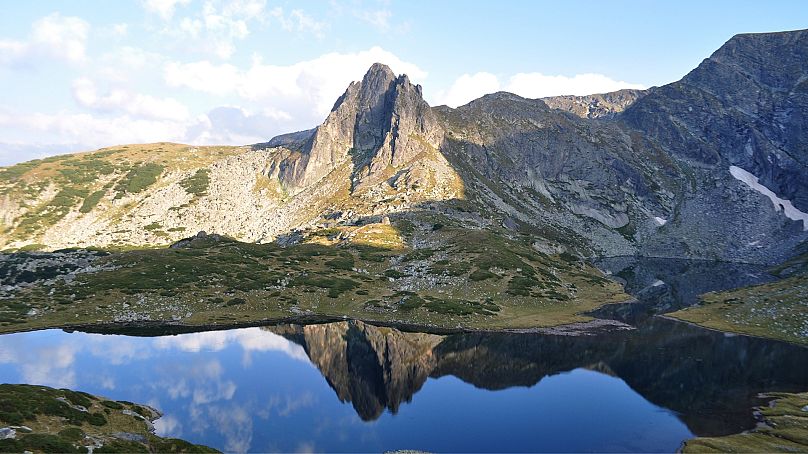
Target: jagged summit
(378,124)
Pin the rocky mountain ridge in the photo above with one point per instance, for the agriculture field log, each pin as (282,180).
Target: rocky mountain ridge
(601,105)
(626,173)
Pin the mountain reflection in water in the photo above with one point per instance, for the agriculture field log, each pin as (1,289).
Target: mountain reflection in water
(711,380)
(262,389)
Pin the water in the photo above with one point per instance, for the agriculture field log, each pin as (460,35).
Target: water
(353,387)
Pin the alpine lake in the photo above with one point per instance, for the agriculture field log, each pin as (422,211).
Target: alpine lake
(646,386)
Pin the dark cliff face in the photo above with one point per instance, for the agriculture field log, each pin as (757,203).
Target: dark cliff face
(746,106)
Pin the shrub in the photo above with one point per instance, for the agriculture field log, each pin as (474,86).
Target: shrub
(138,179)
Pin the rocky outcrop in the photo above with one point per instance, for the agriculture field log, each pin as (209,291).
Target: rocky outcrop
(292,141)
(378,124)
(602,105)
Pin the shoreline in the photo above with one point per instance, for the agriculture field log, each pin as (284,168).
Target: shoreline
(162,328)
(732,333)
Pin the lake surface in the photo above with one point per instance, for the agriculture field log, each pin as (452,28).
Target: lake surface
(349,386)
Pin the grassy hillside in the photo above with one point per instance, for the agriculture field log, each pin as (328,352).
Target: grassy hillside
(44,419)
(102,186)
(776,310)
(455,278)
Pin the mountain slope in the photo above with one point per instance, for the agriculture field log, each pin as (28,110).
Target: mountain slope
(742,108)
(710,167)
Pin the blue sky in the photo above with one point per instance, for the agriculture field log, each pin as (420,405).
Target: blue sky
(86,74)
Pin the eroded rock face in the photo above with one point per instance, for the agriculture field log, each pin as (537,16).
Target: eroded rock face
(380,123)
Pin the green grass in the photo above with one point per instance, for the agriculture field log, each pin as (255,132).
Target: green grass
(50,213)
(494,282)
(91,201)
(345,262)
(776,310)
(784,428)
(138,179)
(19,404)
(197,184)
(15,172)
(419,254)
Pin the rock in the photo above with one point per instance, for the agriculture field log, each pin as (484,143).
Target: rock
(617,174)
(510,223)
(293,140)
(196,239)
(128,436)
(548,248)
(605,105)
(379,122)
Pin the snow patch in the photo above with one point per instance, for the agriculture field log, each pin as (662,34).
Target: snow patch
(789,209)
(658,283)
(660,221)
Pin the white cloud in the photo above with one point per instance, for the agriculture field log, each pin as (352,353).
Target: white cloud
(168,426)
(52,37)
(249,339)
(298,21)
(63,36)
(163,8)
(120,30)
(203,76)
(217,27)
(12,51)
(468,87)
(119,100)
(537,85)
(529,85)
(236,125)
(127,63)
(308,88)
(81,131)
(50,365)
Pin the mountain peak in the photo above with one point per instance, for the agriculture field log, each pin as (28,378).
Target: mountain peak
(379,123)
(748,61)
(378,70)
